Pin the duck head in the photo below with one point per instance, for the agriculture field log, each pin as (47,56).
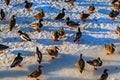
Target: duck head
(20,31)
(56,48)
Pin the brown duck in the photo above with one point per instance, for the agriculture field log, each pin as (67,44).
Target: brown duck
(55,35)
(60,15)
(39,15)
(84,16)
(12,23)
(7,2)
(62,33)
(110,49)
(91,9)
(118,31)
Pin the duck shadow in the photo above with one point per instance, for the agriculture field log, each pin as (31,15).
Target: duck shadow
(23,53)
(12,39)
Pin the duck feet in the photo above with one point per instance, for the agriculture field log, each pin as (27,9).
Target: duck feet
(19,65)
(37,79)
(1,52)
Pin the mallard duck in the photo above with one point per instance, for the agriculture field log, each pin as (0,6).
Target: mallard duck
(62,33)
(38,55)
(116,7)
(81,64)
(60,15)
(78,35)
(36,73)
(3,47)
(12,23)
(55,35)
(2,14)
(113,2)
(71,24)
(37,26)
(118,30)
(84,16)
(96,63)
(24,36)
(91,9)
(28,5)
(110,49)
(113,14)
(53,52)
(70,1)
(7,2)
(40,15)
(104,76)
(17,61)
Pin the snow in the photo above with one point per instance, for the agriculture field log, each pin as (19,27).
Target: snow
(97,31)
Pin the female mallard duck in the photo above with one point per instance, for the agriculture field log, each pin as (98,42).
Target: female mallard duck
(118,30)
(62,33)
(96,63)
(55,35)
(113,2)
(53,52)
(70,1)
(78,35)
(113,14)
(7,2)
(3,47)
(2,14)
(104,76)
(40,15)
(38,55)
(110,49)
(24,36)
(28,5)
(84,16)
(17,61)
(37,26)
(91,9)
(60,15)
(36,73)
(116,7)
(12,23)
(71,24)
(81,64)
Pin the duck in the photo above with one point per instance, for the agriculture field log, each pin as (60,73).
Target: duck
(36,73)
(95,62)
(37,26)
(104,76)
(78,35)
(60,15)
(116,7)
(70,1)
(110,49)
(91,9)
(12,22)
(39,15)
(17,61)
(3,47)
(2,14)
(113,14)
(38,55)
(71,23)
(81,64)
(84,16)
(28,5)
(53,52)
(24,36)
(55,35)
(118,31)
(62,33)
(7,2)
(114,1)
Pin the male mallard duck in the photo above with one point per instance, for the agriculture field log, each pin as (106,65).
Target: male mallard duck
(113,14)
(36,73)
(84,16)
(7,2)
(78,35)
(28,5)
(55,35)
(96,63)
(118,30)
(3,47)
(37,26)
(38,55)
(2,14)
(17,61)
(40,15)
(104,76)
(70,1)
(91,8)
(81,64)
(60,15)
(24,36)
(53,52)
(71,24)
(12,22)
(110,49)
